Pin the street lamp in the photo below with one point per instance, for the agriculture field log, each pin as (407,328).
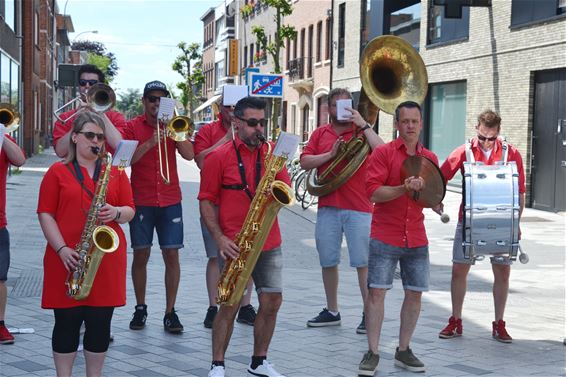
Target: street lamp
(83,32)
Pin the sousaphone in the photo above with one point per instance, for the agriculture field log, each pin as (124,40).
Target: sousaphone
(391,72)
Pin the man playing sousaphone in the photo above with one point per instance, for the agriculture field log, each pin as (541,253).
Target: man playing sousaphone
(89,75)
(488,149)
(345,210)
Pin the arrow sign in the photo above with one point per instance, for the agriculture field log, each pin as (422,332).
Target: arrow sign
(266,85)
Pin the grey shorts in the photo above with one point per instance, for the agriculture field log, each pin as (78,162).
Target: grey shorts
(268,271)
(209,243)
(4,253)
(458,251)
(383,259)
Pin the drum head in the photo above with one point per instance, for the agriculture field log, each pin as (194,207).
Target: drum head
(434,189)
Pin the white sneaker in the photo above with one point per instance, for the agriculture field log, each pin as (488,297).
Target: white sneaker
(216,371)
(264,370)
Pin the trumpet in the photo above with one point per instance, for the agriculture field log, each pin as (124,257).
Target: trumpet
(99,97)
(9,117)
(179,128)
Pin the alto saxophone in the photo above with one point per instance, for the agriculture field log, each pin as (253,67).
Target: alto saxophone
(269,198)
(96,241)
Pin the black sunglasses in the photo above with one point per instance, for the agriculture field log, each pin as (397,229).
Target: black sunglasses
(90,135)
(83,82)
(252,122)
(483,138)
(152,99)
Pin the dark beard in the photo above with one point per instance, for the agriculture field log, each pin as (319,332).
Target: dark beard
(251,141)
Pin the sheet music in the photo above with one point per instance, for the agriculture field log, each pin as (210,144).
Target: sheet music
(166,109)
(124,152)
(287,145)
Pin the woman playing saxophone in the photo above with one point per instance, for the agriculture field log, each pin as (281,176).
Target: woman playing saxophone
(67,217)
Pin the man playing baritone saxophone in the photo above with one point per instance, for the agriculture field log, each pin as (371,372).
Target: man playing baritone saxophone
(231,188)
(346,210)
(89,75)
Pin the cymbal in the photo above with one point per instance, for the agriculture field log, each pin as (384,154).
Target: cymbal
(434,188)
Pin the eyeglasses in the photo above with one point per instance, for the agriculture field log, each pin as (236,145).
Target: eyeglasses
(152,99)
(252,122)
(90,135)
(483,138)
(83,82)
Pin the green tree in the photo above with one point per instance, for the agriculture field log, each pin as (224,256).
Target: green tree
(282,8)
(98,56)
(129,103)
(189,65)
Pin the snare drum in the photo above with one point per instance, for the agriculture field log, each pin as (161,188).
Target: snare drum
(491,210)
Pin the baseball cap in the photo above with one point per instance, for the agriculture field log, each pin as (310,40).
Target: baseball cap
(155,85)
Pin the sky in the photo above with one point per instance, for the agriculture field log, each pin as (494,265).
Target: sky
(142,34)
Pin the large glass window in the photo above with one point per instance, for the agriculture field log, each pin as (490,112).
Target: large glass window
(10,14)
(527,11)
(15,92)
(446,118)
(4,78)
(406,23)
(447,29)
(341,34)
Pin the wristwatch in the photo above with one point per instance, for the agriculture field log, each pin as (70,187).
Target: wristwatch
(366,127)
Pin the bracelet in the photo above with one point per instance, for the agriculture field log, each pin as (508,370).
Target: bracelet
(118,213)
(61,248)
(367,126)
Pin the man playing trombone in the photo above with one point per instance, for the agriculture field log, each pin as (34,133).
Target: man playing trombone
(158,204)
(89,75)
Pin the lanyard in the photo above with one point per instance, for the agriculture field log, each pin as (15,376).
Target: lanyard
(78,174)
(244,186)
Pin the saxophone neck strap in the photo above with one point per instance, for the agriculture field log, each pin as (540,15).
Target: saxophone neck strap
(78,174)
(244,186)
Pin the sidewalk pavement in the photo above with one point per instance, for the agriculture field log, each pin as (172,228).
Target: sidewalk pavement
(535,310)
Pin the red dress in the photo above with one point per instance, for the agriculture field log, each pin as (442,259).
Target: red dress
(62,196)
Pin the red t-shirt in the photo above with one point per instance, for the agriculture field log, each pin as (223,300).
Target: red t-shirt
(456,160)
(61,195)
(209,134)
(398,222)
(351,195)
(221,168)
(61,129)
(147,184)
(4,164)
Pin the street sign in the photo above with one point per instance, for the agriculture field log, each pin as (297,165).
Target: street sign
(249,71)
(266,85)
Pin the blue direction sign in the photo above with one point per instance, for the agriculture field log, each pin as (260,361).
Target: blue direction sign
(266,85)
(249,71)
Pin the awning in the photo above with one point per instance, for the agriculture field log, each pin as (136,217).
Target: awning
(209,102)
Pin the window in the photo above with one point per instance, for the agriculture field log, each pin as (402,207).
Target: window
(318,41)
(322,111)
(447,29)
(10,14)
(341,34)
(245,56)
(251,55)
(527,11)
(446,117)
(328,39)
(287,52)
(309,51)
(4,78)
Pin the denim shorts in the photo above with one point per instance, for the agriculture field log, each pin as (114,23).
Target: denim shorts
(209,243)
(268,271)
(331,223)
(383,260)
(4,253)
(458,251)
(167,221)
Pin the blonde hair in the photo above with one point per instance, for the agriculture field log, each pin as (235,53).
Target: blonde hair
(78,124)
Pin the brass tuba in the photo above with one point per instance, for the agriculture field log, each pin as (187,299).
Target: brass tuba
(391,72)
(9,117)
(99,97)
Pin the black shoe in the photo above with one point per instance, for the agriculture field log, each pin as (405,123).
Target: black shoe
(171,323)
(324,318)
(140,315)
(246,315)
(361,329)
(210,315)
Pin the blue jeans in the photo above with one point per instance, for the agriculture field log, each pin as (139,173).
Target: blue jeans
(4,253)
(167,221)
(383,260)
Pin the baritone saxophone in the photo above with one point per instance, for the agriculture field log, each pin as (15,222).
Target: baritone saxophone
(271,195)
(96,241)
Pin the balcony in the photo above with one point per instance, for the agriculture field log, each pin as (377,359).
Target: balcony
(300,69)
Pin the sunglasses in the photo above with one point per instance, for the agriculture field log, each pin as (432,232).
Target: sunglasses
(152,99)
(90,135)
(252,122)
(483,138)
(83,82)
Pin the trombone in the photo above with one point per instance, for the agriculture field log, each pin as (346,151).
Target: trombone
(179,128)
(99,97)
(9,117)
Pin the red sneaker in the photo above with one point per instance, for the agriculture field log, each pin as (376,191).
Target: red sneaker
(453,329)
(499,333)
(5,336)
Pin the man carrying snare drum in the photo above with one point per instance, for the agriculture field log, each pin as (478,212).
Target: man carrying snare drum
(487,148)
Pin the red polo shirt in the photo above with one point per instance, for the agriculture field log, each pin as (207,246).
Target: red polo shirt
(221,168)
(61,129)
(4,164)
(351,195)
(456,160)
(147,184)
(398,222)
(209,134)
